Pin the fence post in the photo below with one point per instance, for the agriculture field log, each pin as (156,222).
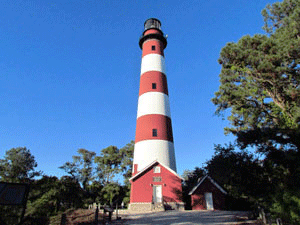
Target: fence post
(262,215)
(278,221)
(96,215)
(117,211)
(63,219)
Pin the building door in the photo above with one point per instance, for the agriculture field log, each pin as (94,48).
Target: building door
(157,193)
(209,201)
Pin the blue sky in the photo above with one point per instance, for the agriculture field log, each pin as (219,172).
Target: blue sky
(70,73)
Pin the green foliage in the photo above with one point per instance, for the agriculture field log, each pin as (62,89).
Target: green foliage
(50,196)
(126,167)
(272,183)
(239,172)
(10,214)
(283,169)
(71,193)
(82,167)
(18,166)
(109,192)
(126,154)
(43,197)
(287,206)
(108,164)
(282,16)
(96,173)
(126,199)
(191,179)
(95,189)
(260,81)
(260,85)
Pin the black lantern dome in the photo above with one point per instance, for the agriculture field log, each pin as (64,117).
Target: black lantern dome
(155,24)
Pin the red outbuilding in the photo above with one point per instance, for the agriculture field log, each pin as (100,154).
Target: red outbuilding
(208,195)
(156,187)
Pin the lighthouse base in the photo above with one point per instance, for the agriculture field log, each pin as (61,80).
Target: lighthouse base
(141,207)
(155,207)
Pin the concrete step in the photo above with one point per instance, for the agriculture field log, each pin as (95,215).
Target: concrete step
(157,207)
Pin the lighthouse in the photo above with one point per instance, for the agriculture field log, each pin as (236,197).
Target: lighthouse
(155,183)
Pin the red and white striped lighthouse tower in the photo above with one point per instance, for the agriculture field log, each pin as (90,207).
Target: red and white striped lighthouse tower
(154,137)
(154,145)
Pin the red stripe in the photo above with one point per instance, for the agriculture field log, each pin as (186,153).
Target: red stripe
(145,125)
(147,47)
(153,77)
(152,31)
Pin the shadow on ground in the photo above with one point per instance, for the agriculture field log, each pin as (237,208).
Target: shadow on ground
(188,218)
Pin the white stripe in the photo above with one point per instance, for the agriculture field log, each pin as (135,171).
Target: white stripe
(153,62)
(153,103)
(145,152)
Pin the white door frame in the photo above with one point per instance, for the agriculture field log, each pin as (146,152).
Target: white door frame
(157,193)
(209,200)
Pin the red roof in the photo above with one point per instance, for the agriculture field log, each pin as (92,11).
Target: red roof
(211,180)
(152,164)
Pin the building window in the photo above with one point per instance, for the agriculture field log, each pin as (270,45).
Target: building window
(157,179)
(154,132)
(153,85)
(156,169)
(153,47)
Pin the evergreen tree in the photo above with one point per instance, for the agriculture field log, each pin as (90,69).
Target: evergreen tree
(241,173)
(126,154)
(108,164)
(260,85)
(260,81)
(18,166)
(82,167)
(126,167)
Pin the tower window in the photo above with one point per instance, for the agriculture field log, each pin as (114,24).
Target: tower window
(153,85)
(154,132)
(153,47)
